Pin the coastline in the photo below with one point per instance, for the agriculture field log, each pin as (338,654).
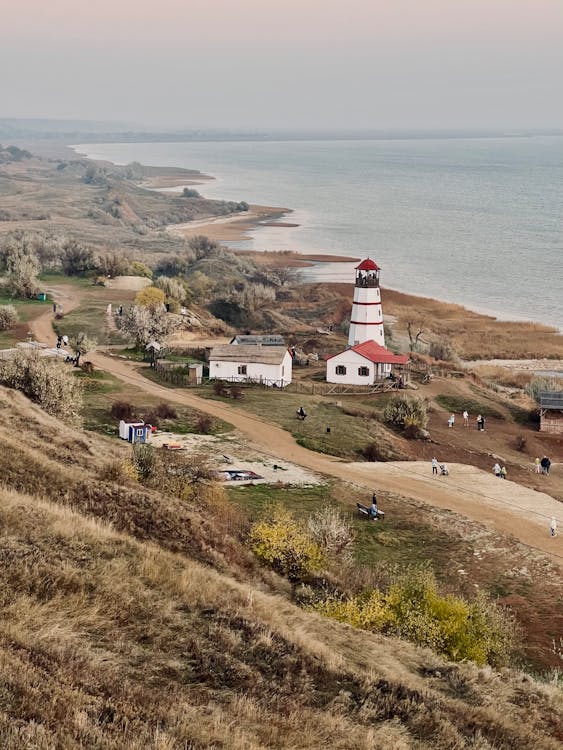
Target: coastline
(239,228)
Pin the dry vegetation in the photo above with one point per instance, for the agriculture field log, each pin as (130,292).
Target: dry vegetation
(133,620)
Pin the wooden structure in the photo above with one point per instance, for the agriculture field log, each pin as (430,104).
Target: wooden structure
(551,412)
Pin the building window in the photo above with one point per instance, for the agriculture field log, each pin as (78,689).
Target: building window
(363,371)
(340,370)
(242,369)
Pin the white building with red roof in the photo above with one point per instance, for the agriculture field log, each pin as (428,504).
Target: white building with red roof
(366,360)
(363,364)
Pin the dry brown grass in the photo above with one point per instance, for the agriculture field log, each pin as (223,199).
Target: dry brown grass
(131,620)
(476,336)
(107,642)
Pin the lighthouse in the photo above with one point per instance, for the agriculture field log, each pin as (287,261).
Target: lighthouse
(366,322)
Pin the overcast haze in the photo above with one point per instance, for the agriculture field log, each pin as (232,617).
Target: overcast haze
(360,64)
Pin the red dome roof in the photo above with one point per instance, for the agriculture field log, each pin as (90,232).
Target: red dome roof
(367,265)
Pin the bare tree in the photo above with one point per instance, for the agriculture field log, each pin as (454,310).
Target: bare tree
(416,328)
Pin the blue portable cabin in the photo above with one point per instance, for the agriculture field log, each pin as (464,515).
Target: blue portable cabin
(134,432)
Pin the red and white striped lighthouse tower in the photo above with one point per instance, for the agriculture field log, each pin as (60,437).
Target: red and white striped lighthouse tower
(366,322)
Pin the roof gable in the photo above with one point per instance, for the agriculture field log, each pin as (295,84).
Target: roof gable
(245,353)
(376,353)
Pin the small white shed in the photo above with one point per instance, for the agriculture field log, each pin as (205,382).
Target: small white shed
(244,363)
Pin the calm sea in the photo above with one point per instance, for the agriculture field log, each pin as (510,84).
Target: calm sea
(474,221)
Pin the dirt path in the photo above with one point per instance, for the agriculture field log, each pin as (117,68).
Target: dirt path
(504,506)
(42,327)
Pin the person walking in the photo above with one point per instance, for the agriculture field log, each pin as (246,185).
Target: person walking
(466,418)
(543,464)
(497,470)
(537,465)
(451,420)
(479,423)
(503,472)
(553,526)
(435,466)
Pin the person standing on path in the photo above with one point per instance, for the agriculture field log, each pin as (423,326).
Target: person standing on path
(480,423)
(503,472)
(497,470)
(553,526)
(451,420)
(434,466)
(538,466)
(466,418)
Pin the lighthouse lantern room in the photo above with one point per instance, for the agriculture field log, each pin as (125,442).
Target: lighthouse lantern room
(366,322)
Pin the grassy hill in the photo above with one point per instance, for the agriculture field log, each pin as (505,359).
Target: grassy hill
(134,620)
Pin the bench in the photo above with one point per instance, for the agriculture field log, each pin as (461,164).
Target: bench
(363,510)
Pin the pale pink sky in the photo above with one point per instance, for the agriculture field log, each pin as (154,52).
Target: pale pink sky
(291,63)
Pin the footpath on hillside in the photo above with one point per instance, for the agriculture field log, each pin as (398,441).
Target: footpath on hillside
(504,506)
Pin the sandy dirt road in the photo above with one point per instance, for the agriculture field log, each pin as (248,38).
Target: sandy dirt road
(501,505)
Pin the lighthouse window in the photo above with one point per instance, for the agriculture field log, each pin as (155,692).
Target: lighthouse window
(340,370)
(242,369)
(363,371)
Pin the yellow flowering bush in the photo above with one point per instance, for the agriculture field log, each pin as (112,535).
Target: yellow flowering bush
(414,609)
(283,543)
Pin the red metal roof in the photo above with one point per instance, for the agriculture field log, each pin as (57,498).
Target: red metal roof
(367,265)
(376,353)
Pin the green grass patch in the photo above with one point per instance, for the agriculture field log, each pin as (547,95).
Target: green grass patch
(255,498)
(349,433)
(458,404)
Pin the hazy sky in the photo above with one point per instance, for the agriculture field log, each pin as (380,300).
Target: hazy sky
(285,63)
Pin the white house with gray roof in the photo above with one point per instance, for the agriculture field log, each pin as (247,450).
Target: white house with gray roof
(245,363)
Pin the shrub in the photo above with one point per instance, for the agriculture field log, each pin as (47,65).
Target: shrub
(204,424)
(190,193)
(283,543)
(520,443)
(122,410)
(77,259)
(413,609)
(166,411)
(140,269)
(121,472)
(8,317)
(144,461)
(236,392)
(150,297)
(87,367)
(220,388)
(332,532)
(405,411)
(47,382)
(442,349)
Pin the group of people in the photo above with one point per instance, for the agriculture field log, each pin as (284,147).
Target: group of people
(499,471)
(480,420)
(543,466)
(444,471)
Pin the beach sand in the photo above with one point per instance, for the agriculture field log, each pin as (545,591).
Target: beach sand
(233,228)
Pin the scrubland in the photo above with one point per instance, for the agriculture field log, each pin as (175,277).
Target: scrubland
(134,620)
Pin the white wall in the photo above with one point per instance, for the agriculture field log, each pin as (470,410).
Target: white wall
(367,317)
(352,362)
(255,371)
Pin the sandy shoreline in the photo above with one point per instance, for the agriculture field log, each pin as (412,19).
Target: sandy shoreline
(232,228)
